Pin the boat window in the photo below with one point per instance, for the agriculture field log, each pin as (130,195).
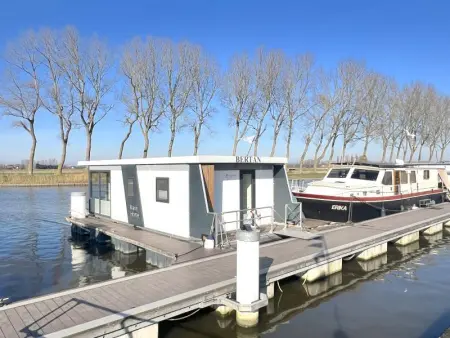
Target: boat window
(403,177)
(387,178)
(364,174)
(100,193)
(162,189)
(426,174)
(412,177)
(338,173)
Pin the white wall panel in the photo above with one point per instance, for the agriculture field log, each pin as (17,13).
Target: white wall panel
(172,217)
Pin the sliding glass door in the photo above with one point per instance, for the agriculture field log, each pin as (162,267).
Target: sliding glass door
(100,196)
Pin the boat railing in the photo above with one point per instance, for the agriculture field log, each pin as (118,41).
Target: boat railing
(298,185)
(243,218)
(224,224)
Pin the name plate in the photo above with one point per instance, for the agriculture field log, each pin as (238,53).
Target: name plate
(248,159)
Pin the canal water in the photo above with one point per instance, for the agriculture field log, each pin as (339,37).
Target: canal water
(38,255)
(402,294)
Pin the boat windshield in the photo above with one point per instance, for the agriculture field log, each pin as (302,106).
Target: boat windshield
(338,173)
(364,174)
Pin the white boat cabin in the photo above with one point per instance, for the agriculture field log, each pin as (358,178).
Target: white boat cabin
(365,179)
(179,196)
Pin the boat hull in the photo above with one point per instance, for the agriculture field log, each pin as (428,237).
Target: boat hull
(341,210)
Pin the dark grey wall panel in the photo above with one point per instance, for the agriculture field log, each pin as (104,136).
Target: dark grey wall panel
(199,219)
(282,194)
(132,195)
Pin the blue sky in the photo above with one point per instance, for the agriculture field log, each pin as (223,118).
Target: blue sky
(409,40)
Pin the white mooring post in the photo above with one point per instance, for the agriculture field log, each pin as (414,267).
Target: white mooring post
(78,204)
(247,275)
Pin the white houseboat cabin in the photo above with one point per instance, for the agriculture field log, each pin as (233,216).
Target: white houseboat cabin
(178,196)
(360,191)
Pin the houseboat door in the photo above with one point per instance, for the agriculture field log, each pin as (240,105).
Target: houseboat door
(247,192)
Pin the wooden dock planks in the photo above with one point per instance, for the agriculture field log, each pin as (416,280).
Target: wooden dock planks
(55,312)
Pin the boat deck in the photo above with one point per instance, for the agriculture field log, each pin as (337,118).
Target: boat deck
(116,306)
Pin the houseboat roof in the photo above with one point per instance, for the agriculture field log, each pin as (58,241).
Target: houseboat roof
(203,159)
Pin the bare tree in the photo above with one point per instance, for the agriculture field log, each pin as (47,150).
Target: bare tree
(326,102)
(444,136)
(59,94)
(267,71)
(141,68)
(351,94)
(21,96)
(204,75)
(296,87)
(176,61)
(372,107)
(238,96)
(87,67)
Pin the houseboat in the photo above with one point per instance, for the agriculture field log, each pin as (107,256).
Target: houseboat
(189,197)
(360,191)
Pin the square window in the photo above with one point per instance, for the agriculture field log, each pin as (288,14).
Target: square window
(162,189)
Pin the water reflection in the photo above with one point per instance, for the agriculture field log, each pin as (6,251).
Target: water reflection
(405,290)
(38,254)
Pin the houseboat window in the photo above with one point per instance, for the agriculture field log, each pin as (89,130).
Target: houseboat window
(162,189)
(403,177)
(426,174)
(412,177)
(363,174)
(338,173)
(130,188)
(387,178)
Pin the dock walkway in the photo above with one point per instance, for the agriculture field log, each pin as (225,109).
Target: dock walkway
(116,307)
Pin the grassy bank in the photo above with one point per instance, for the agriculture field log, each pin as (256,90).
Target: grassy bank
(43,178)
(306,174)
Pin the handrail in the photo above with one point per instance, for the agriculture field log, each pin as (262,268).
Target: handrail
(217,226)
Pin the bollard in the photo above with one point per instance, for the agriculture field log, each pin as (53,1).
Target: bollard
(78,204)
(247,275)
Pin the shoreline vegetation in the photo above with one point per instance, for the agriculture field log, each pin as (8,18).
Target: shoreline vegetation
(43,178)
(79,177)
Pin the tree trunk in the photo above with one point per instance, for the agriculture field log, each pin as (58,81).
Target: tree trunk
(322,155)
(64,140)
(344,149)
(32,149)
(288,143)
(172,140)
(399,148)
(383,155)
(441,158)
(391,156)
(316,153)
(366,145)
(127,136)
(236,138)
(63,156)
(197,131)
(330,159)
(88,144)
(432,148)
(305,150)
(255,146)
(420,152)
(274,144)
(146,144)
